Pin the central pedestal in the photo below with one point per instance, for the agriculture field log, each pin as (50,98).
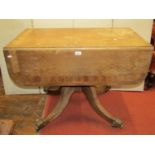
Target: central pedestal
(91,94)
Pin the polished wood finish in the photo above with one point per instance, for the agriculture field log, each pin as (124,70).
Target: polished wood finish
(65,95)
(91,95)
(77,38)
(64,57)
(78,58)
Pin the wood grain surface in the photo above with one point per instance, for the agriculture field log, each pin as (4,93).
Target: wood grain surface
(6,127)
(77,37)
(78,57)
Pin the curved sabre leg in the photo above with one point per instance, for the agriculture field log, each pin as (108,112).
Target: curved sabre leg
(91,95)
(65,95)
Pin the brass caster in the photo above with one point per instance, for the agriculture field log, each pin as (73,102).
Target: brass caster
(117,123)
(39,124)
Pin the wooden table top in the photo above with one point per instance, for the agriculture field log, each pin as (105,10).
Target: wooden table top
(77,38)
(76,57)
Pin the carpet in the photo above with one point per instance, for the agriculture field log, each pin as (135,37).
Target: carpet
(135,109)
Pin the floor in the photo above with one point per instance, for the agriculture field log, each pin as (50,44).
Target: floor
(136,109)
(22,109)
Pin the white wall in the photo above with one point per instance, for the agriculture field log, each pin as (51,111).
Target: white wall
(142,27)
(52,23)
(70,23)
(10,28)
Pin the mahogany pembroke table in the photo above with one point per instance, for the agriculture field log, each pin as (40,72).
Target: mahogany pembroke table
(71,59)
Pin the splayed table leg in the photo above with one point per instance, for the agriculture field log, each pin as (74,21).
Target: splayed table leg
(65,95)
(91,95)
